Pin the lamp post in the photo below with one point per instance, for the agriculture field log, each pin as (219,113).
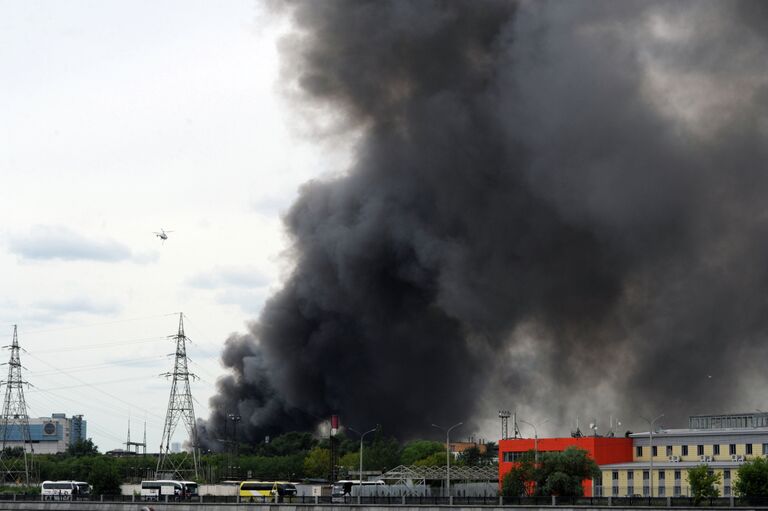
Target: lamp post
(360,475)
(650,446)
(235,446)
(535,438)
(448,455)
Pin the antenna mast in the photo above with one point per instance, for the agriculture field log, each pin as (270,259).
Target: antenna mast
(180,408)
(15,462)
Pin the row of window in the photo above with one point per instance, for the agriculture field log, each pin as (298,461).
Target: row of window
(700,449)
(661,491)
(662,475)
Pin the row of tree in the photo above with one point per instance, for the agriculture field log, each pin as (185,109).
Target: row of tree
(292,456)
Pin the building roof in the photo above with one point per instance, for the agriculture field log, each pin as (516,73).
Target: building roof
(702,432)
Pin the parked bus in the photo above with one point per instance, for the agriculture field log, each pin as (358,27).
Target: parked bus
(62,490)
(342,489)
(254,491)
(174,490)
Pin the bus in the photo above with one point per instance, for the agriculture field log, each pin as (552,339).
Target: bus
(173,490)
(342,489)
(263,491)
(63,490)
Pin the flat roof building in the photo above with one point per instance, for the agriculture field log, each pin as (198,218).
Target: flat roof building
(674,451)
(48,435)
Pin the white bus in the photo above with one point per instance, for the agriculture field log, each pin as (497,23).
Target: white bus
(174,490)
(63,490)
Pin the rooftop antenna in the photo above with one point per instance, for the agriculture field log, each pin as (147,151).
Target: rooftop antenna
(16,465)
(180,409)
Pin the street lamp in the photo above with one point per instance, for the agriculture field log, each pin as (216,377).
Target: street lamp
(535,438)
(360,480)
(650,445)
(235,446)
(447,455)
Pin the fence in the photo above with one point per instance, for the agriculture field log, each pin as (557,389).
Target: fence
(541,501)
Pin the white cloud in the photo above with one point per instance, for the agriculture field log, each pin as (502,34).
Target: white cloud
(45,242)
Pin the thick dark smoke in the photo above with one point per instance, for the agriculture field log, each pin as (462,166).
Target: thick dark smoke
(558,206)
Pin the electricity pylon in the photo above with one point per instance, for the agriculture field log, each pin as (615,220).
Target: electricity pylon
(15,462)
(185,465)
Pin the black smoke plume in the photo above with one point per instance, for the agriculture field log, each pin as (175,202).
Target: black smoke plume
(554,206)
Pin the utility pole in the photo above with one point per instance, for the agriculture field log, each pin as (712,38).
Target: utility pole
(180,408)
(15,463)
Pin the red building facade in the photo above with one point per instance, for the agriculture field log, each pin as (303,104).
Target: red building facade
(603,450)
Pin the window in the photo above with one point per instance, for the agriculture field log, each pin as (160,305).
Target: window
(511,456)
(677,491)
(726,491)
(645,475)
(765,448)
(646,491)
(654,451)
(716,449)
(685,450)
(677,475)
(639,450)
(669,450)
(699,450)
(732,449)
(661,475)
(630,490)
(615,475)
(726,475)
(749,448)
(631,475)
(661,493)
(615,491)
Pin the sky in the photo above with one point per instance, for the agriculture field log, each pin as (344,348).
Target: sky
(118,119)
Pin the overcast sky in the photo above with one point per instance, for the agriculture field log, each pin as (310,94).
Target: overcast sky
(118,119)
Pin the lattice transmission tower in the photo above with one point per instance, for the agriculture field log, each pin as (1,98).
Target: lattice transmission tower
(184,465)
(16,451)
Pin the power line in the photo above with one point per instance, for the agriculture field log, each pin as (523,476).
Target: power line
(89,325)
(89,385)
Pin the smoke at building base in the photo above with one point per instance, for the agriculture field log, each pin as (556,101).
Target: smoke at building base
(552,205)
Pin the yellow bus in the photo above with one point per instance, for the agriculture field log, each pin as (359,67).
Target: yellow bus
(263,491)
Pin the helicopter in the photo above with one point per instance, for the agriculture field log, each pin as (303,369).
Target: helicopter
(163,234)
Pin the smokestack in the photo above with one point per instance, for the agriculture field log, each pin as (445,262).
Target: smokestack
(557,204)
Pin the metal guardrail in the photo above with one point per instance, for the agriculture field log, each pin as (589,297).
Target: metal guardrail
(542,501)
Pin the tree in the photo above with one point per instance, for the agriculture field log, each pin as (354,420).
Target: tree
(470,456)
(520,481)
(562,473)
(83,448)
(433,460)
(293,442)
(702,482)
(752,478)
(104,477)
(418,450)
(317,463)
(557,473)
(383,454)
(350,461)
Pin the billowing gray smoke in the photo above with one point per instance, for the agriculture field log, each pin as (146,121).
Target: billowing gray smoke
(558,205)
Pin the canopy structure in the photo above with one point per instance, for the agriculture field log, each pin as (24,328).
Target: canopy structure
(415,475)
